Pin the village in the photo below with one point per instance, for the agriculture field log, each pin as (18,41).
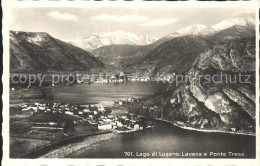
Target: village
(35,125)
(65,117)
(119,77)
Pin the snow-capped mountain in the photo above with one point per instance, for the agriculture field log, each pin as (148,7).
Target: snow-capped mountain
(242,20)
(103,39)
(195,30)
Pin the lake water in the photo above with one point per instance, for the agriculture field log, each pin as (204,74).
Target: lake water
(104,93)
(164,138)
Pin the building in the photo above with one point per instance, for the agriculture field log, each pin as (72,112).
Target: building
(68,113)
(101,108)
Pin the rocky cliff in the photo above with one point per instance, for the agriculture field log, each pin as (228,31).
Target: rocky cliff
(218,94)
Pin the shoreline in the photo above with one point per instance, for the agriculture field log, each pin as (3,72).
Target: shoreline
(202,130)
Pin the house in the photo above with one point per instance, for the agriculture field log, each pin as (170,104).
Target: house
(234,129)
(144,79)
(86,110)
(41,108)
(96,112)
(24,106)
(53,123)
(124,117)
(105,127)
(101,108)
(68,113)
(180,123)
(36,103)
(30,108)
(130,100)
(67,109)
(85,106)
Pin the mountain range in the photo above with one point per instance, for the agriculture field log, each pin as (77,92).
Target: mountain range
(128,56)
(127,51)
(110,38)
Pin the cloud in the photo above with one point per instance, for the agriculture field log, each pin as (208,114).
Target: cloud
(142,20)
(158,22)
(124,18)
(62,16)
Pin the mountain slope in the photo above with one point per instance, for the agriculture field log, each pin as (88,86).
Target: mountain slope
(176,55)
(211,104)
(193,30)
(103,39)
(122,55)
(39,52)
(234,32)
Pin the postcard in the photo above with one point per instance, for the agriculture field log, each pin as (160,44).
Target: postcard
(130,83)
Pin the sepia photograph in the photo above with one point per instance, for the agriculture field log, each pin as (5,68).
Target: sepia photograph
(132,82)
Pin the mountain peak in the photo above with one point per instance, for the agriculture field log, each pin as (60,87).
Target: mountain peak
(242,19)
(97,40)
(194,30)
(31,37)
(197,30)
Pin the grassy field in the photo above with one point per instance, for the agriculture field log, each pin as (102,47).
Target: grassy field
(19,146)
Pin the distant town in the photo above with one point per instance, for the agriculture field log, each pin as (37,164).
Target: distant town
(76,78)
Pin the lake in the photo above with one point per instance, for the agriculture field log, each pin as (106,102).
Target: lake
(105,93)
(163,139)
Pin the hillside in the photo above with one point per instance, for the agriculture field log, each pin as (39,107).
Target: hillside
(122,55)
(176,55)
(214,104)
(234,32)
(39,52)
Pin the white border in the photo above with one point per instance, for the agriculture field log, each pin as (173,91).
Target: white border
(7,5)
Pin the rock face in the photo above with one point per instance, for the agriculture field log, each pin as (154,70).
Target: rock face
(209,100)
(39,52)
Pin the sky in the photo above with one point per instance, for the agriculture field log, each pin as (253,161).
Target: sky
(71,23)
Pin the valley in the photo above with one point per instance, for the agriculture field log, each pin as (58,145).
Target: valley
(193,85)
